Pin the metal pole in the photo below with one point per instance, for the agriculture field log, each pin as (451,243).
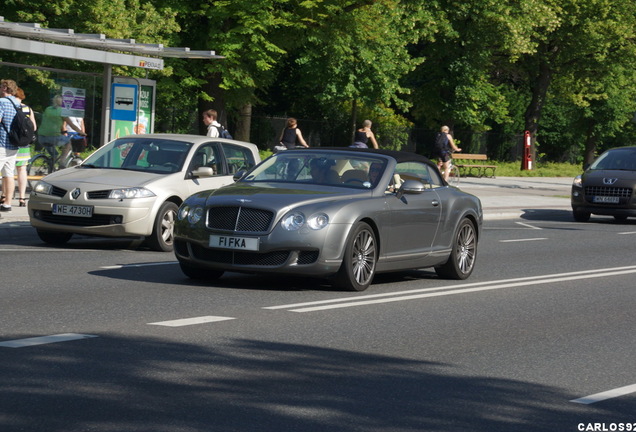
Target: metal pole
(108,78)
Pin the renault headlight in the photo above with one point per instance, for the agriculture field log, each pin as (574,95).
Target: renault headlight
(42,187)
(128,193)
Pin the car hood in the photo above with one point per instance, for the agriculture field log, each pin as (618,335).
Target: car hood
(277,195)
(103,178)
(596,177)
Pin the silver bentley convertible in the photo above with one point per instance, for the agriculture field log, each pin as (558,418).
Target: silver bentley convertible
(335,213)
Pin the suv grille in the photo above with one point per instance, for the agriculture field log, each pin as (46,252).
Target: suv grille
(623,194)
(242,219)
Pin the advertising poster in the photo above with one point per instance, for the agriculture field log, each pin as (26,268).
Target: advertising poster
(73,102)
(143,123)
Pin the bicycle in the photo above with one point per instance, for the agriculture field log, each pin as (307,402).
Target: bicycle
(44,163)
(454,176)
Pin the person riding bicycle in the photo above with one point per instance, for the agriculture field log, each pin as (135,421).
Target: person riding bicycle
(50,133)
(444,146)
(291,137)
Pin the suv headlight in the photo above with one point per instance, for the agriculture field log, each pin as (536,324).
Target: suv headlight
(578,181)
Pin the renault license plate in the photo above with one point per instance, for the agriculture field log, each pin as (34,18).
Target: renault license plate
(232,242)
(72,210)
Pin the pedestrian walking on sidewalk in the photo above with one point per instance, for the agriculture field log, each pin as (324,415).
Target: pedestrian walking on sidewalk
(8,151)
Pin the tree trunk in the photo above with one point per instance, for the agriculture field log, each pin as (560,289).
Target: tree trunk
(533,112)
(212,88)
(591,140)
(244,123)
(354,119)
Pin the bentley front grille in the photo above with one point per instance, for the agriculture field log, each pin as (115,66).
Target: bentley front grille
(242,219)
(276,258)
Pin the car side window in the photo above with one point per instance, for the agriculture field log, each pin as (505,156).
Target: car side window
(207,156)
(237,158)
(417,171)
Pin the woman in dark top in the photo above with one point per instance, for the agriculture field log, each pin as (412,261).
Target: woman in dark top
(363,136)
(291,135)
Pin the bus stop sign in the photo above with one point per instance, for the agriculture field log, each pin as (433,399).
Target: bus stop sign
(124,102)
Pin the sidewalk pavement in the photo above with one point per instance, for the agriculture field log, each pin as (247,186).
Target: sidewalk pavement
(501,197)
(512,197)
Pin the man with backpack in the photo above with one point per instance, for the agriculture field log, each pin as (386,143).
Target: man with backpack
(444,146)
(8,150)
(215,130)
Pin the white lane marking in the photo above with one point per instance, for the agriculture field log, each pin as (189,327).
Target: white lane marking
(113,267)
(522,240)
(452,289)
(528,225)
(41,340)
(191,321)
(609,394)
(449,287)
(627,233)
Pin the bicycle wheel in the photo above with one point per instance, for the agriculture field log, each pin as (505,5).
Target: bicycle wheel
(73,160)
(454,176)
(38,167)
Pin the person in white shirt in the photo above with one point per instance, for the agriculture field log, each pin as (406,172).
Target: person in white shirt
(209,119)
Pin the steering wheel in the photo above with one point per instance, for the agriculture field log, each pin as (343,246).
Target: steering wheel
(352,180)
(171,165)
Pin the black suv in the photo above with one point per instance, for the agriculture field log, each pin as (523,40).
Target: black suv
(607,186)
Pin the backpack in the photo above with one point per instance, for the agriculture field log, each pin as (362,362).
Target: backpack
(22,132)
(441,142)
(223,133)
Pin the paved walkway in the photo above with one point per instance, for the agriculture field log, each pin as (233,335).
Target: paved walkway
(501,197)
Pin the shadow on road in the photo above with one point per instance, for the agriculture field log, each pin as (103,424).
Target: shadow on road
(114,383)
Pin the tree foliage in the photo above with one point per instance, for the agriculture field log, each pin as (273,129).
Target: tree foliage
(562,69)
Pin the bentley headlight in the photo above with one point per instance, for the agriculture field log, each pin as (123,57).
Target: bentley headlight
(43,188)
(293,221)
(318,221)
(195,215)
(183,212)
(133,192)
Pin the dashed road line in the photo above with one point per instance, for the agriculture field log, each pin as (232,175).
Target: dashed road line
(523,240)
(191,321)
(609,394)
(42,340)
(528,225)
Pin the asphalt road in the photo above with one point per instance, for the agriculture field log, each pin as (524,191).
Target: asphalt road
(103,336)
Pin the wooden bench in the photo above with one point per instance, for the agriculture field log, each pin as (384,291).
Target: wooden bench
(476,170)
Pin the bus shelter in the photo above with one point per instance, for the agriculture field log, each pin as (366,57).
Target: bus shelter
(123,99)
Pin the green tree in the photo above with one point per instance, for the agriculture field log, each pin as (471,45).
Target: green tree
(589,57)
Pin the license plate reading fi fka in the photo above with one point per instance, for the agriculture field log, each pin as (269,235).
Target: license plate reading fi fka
(72,210)
(231,242)
(606,199)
